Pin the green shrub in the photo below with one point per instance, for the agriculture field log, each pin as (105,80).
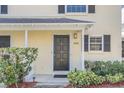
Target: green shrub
(79,78)
(97,72)
(15,64)
(7,74)
(114,79)
(102,68)
(116,67)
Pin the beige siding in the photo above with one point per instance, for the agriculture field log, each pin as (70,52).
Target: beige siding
(108,21)
(43,41)
(31,10)
(17,37)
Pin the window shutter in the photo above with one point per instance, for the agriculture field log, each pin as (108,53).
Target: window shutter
(4,41)
(4,9)
(61,9)
(86,42)
(122,48)
(107,43)
(91,8)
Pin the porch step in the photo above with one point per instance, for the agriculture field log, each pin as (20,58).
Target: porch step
(50,79)
(51,85)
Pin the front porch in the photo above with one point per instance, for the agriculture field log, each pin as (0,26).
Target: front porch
(45,42)
(42,36)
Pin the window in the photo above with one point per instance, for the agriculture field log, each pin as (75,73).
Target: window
(76,8)
(62,9)
(4,41)
(95,43)
(99,43)
(3,9)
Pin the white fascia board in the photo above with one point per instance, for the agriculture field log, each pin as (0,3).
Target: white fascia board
(43,26)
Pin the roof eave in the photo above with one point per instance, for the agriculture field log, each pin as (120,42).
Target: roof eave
(46,23)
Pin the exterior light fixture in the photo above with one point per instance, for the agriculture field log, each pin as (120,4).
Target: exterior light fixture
(75,35)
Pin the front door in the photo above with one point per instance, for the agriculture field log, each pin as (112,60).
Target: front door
(61,52)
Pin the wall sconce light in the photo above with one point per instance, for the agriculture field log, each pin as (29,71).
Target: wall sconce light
(75,35)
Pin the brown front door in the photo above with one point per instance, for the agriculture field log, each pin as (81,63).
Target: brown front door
(61,52)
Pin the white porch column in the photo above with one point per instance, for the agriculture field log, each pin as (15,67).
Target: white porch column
(82,49)
(30,75)
(26,38)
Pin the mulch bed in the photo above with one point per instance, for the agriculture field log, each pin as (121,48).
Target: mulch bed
(23,85)
(104,85)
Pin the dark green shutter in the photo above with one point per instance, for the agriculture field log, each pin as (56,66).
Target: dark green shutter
(91,8)
(86,43)
(4,41)
(122,48)
(61,9)
(107,43)
(4,9)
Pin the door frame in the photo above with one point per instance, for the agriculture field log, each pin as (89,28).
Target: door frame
(70,42)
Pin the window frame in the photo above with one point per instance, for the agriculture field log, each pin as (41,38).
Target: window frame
(99,36)
(76,12)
